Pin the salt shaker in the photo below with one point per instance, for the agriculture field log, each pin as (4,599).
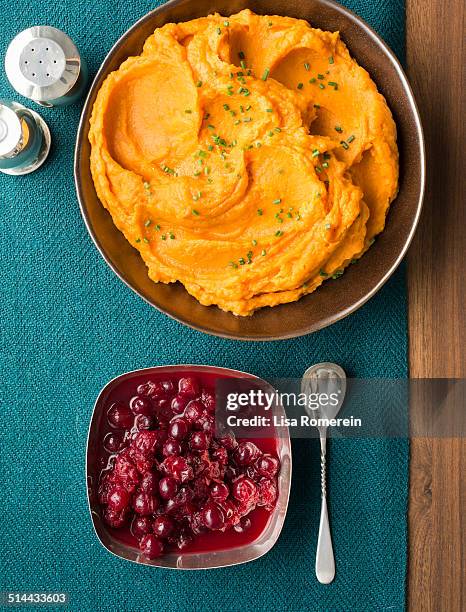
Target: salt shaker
(43,64)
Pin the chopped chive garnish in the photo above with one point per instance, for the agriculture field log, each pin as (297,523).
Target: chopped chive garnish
(325,164)
(260,212)
(264,252)
(157,228)
(233,113)
(172,236)
(270,133)
(199,84)
(350,138)
(146,184)
(300,85)
(211,127)
(266,73)
(237,122)
(289,215)
(195,212)
(313,80)
(206,170)
(277,201)
(338,129)
(241,55)
(147,223)
(254,243)
(330,59)
(269,110)
(316,105)
(337,274)
(163,237)
(322,86)
(219,31)
(188,111)
(326,155)
(327,226)
(323,273)
(345,145)
(318,169)
(226,107)
(226,24)
(279,233)
(248,107)
(138,240)
(307,66)
(233,264)
(146,240)
(211,147)
(270,24)
(315,153)
(243,65)
(320,76)
(242,261)
(247,120)
(277,129)
(333,84)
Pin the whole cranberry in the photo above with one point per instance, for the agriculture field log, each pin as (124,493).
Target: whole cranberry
(220,454)
(163,526)
(115,519)
(267,465)
(140,405)
(228,440)
(219,491)
(193,411)
(199,440)
(178,404)
(188,386)
(167,487)
(119,416)
(268,493)
(244,489)
(245,453)
(146,389)
(229,510)
(118,498)
(145,504)
(151,389)
(178,429)
(150,546)
(213,517)
(178,468)
(140,526)
(208,399)
(171,447)
(167,386)
(113,442)
(143,421)
(150,483)
(243,525)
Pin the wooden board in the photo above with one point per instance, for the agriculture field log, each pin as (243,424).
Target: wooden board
(437,303)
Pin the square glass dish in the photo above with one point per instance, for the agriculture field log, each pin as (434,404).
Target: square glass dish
(207,559)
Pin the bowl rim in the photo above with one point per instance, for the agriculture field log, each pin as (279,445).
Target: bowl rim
(283,496)
(329,320)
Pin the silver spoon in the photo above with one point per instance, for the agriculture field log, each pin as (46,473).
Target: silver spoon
(325,378)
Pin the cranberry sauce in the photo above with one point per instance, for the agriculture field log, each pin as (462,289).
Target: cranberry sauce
(169,483)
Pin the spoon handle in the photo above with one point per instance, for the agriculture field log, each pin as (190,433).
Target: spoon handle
(325,562)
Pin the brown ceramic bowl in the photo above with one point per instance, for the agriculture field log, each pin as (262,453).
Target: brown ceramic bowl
(335,299)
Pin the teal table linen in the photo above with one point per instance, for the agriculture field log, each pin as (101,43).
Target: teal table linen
(69,325)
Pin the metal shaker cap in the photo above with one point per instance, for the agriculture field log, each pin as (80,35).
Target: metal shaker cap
(42,63)
(10,131)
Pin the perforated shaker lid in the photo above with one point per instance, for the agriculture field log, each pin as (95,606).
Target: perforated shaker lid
(10,130)
(42,63)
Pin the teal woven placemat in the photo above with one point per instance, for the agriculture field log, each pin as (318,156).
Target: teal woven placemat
(69,325)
